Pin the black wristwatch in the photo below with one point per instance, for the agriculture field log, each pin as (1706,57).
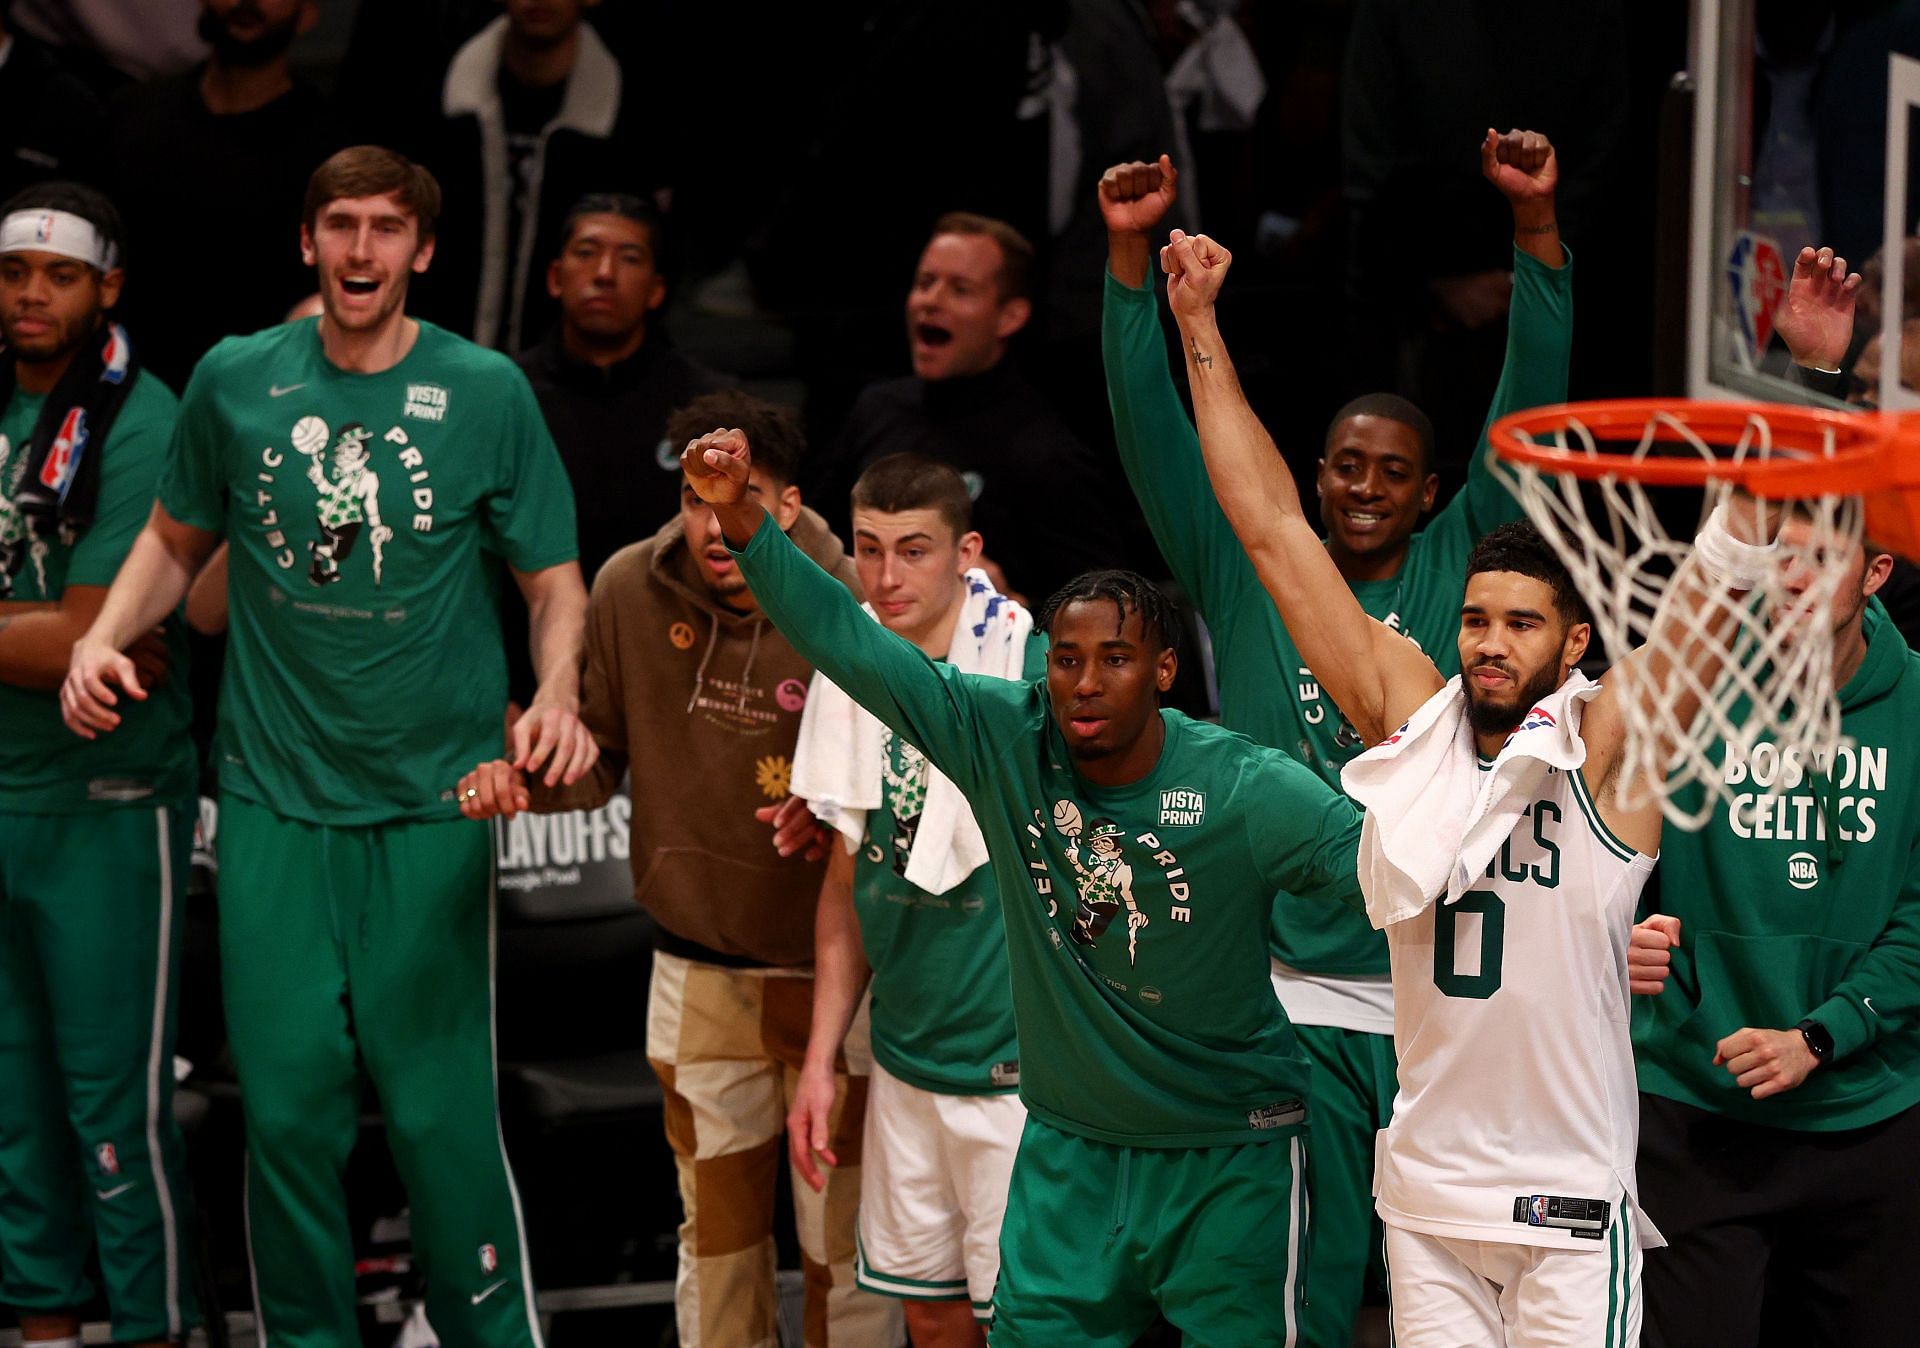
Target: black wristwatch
(1819,1042)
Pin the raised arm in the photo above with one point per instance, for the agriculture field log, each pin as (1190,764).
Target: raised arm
(927,704)
(151,583)
(1374,675)
(1523,167)
(1158,447)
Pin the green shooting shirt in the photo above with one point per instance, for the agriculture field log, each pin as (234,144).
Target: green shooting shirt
(44,767)
(1135,916)
(366,514)
(942,1006)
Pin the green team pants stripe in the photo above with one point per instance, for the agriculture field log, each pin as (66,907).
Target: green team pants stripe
(89,1152)
(370,948)
(1353,1086)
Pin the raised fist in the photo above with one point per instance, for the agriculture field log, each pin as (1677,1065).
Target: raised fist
(1135,197)
(717,465)
(1521,164)
(1196,267)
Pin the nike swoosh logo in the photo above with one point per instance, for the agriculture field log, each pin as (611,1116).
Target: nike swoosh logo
(277,392)
(104,1194)
(479,1297)
(1868,1003)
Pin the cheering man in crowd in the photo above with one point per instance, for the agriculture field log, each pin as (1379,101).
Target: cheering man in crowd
(967,405)
(95,837)
(1376,483)
(364,672)
(1165,1093)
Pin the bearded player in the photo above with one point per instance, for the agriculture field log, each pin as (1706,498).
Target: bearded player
(356,911)
(1504,863)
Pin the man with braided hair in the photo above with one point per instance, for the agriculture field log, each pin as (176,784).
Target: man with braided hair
(1163,1084)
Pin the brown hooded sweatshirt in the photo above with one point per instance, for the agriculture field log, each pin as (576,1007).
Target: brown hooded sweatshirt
(702,704)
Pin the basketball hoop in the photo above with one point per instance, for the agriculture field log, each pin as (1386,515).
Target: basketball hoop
(1770,675)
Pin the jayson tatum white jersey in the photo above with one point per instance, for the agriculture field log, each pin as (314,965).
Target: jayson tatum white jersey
(1517,1114)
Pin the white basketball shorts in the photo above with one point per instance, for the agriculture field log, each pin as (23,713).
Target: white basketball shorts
(933,1188)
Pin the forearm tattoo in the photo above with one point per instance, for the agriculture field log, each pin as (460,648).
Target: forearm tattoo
(1199,359)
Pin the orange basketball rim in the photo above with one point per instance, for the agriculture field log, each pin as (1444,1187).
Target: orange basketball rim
(1772,450)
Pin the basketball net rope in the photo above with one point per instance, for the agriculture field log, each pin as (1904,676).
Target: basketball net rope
(1759,662)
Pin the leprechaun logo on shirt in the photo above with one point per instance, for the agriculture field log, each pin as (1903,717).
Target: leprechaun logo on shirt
(1105,882)
(903,773)
(1103,857)
(347,497)
(13,525)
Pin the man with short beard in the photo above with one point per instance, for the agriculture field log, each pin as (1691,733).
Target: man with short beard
(237,136)
(356,904)
(94,837)
(1503,860)
(1405,563)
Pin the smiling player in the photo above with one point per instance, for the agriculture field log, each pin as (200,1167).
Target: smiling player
(356,911)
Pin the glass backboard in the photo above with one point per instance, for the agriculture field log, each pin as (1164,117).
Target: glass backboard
(1806,132)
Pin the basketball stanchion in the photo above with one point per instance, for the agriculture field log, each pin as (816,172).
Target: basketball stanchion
(1757,662)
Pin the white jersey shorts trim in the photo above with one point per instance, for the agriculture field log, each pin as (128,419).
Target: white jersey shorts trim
(1447,1292)
(933,1192)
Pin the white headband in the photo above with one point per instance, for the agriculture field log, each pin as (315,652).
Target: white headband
(38,230)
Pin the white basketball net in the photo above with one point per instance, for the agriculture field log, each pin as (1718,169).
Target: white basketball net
(1768,671)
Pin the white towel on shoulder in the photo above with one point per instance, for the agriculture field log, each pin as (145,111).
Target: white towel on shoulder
(841,752)
(1434,819)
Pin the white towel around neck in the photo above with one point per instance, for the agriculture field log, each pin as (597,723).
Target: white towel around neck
(1434,819)
(841,752)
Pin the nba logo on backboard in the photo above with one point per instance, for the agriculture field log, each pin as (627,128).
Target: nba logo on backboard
(489,1259)
(1759,281)
(107,1159)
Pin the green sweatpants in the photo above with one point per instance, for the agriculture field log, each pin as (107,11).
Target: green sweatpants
(1354,1079)
(1097,1238)
(368,947)
(89,958)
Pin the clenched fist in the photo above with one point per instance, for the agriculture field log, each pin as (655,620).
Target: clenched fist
(1135,197)
(717,465)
